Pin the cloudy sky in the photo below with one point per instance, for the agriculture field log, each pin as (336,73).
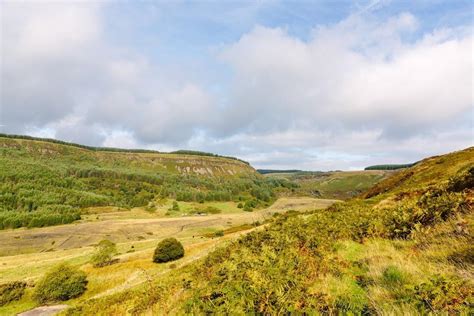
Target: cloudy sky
(314,85)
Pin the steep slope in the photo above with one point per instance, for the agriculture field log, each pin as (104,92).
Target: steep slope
(404,248)
(145,161)
(45,183)
(428,172)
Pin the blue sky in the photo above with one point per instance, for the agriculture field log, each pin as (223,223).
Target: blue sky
(316,85)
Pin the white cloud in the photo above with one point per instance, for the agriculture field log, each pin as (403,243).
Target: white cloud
(352,88)
(61,73)
(321,103)
(356,74)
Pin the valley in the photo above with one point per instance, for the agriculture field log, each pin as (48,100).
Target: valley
(361,242)
(29,252)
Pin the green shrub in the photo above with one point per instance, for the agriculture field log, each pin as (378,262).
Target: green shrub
(349,297)
(175,206)
(104,253)
(168,249)
(248,208)
(11,291)
(61,283)
(464,180)
(443,294)
(212,210)
(240,205)
(219,233)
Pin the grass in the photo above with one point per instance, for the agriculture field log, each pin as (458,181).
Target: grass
(124,227)
(404,250)
(334,184)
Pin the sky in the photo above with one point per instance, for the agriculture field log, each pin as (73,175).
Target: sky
(311,85)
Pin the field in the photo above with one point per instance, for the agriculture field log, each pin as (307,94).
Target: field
(29,252)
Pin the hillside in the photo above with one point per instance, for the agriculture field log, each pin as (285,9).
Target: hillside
(47,183)
(404,247)
(182,162)
(332,184)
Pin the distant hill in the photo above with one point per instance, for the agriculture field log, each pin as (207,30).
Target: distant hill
(340,185)
(46,182)
(113,149)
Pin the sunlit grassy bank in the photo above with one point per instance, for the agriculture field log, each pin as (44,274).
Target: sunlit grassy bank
(406,248)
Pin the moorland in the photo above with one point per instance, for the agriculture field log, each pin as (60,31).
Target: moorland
(360,242)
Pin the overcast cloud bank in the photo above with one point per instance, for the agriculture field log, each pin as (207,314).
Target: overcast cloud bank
(360,91)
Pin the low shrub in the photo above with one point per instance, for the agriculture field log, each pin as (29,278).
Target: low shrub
(248,208)
(349,297)
(61,283)
(464,180)
(442,294)
(168,249)
(212,210)
(11,291)
(175,206)
(104,253)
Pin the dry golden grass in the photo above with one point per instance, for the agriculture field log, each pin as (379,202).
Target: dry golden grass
(136,232)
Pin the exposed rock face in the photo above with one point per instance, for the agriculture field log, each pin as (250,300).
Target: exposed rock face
(157,162)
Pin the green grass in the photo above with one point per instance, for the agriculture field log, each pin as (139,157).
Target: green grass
(404,247)
(405,250)
(135,254)
(332,185)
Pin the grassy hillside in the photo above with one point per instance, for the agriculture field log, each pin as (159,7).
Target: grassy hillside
(26,254)
(405,247)
(113,149)
(333,184)
(45,183)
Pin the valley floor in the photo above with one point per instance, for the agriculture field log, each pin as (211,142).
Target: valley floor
(27,253)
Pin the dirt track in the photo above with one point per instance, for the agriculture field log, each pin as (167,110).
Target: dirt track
(44,310)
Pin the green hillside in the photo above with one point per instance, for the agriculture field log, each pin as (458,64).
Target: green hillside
(45,183)
(405,247)
(332,184)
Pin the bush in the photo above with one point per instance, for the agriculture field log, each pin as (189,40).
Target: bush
(12,291)
(61,283)
(104,253)
(168,249)
(240,205)
(440,293)
(175,206)
(248,208)
(212,210)
(462,181)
